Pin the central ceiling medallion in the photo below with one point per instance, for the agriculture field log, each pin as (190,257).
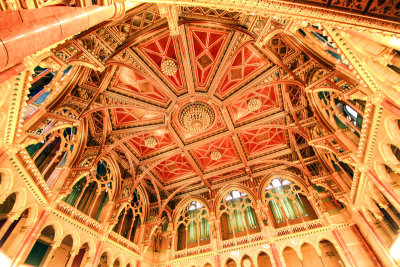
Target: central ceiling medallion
(254,104)
(215,154)
(150,142)
(196,117)
(169,68)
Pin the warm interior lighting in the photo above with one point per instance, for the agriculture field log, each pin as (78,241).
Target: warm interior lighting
(395,249)
(196,117)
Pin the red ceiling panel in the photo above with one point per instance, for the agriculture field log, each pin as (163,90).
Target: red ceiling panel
(269,99)
(225,147)
(165,48)
(133,82)
(206,47)
(244,65)
(174,167)
(164,142)
(261,140)
(134,116)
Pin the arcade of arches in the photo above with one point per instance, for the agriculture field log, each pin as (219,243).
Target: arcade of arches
(206,134)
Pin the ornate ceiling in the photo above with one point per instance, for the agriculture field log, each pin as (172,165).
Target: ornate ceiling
(126,94)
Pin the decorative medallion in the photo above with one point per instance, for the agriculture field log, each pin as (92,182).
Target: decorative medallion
(150,142)
(196,117)
(254,104)
(169,68)
(215,155)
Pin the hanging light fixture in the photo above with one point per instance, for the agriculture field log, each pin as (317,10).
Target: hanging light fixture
(150,142)
(215,154)
(168,67)
(254,104)
(196,117)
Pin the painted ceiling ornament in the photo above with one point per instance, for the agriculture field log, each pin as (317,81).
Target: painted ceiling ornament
(254,104)
(150,142)
(168,67)
(215,154)
(196,117)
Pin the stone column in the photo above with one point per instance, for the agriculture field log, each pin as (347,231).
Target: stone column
(50,255)
(72,255)
(30,239)
(275,253)
(11,218)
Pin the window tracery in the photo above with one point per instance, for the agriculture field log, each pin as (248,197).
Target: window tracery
(93,191)
(193,226)
(287,202)
(237,215)
(130,218)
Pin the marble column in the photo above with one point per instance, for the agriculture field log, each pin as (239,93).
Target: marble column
(72,255)
(50,255)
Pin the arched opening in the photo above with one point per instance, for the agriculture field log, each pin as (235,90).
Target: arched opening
(288,203)
(230,263)
(395,151)
(310,256)
(131,218)
(13,233)
(207,265)
(81,257)
(263,260)
(63,252)
(91,193)
(291,258)
(329,254)
(42,246)
(193,229)
(53,153)
(103,261)
(116,263)
(5,209)
(246,261)
(237,215)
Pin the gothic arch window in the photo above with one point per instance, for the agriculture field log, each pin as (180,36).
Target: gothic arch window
(54,151)
(44,82)
(92,192)
(192,225)
(130,218)
(237,215)
(287,202)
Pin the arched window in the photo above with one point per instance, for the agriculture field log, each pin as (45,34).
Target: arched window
(54,151)
(92,192)
(237,215)
(193,228)
(130,218)
(44,82)
(287,203)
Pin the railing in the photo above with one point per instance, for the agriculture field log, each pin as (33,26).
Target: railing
(124,242)
(79,216)
(299,227)
(242,240)
(192,251)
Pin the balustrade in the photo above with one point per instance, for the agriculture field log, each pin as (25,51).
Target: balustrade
(299,227)
(242,240)
(79,216)
(124,242)
(192,251)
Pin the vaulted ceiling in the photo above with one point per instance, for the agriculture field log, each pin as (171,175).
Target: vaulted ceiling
(223,59)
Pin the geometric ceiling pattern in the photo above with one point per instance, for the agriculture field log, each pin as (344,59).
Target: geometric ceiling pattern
(223,62)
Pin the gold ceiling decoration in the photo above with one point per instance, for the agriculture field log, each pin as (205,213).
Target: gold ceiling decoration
(215,154)
(196,117)
(169,68)
(254,104)
(150,142)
